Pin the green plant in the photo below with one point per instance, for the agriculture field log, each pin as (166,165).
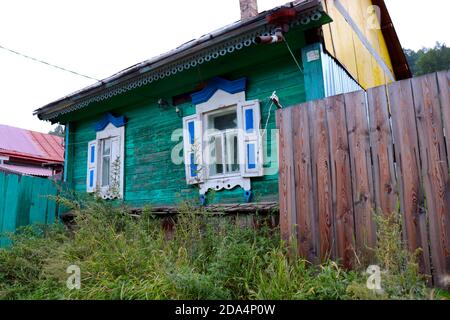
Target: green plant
(400,277)
(122,256)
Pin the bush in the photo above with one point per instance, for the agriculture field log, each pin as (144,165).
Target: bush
(206,257)
(400,277)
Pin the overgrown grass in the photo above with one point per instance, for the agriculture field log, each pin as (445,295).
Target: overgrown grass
(122,257)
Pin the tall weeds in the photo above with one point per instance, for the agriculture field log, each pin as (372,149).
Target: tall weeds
(124,257)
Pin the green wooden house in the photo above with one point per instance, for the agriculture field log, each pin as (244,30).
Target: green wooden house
(199,121)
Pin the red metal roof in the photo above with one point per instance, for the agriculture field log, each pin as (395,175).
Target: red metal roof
(27,170)
(31,145)
(52,146)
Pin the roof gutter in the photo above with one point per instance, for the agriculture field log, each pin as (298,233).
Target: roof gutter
(24,156)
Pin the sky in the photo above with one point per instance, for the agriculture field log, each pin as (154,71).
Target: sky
(97,38)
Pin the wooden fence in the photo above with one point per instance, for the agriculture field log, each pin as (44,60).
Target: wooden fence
(347,157)
(23,201)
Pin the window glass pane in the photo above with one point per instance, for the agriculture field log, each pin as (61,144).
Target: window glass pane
(223,121)
(232,155)
(105,171)
(215,155)
(106,162)
(235,149)
(223,146)
(106,146)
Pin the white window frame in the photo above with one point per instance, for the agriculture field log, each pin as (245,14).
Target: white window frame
(220,101)
(110,132)
(223,134)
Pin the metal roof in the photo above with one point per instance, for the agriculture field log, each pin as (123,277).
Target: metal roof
(18,140)
(189,49)
(27,170)
(51,145)
(26,144)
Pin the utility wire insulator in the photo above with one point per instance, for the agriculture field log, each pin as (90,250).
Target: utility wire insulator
(276,100)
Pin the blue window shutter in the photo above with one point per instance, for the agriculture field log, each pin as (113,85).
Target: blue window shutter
(251,156)
(92,154)
(193,166)
(249,120)
(91,175)
(251,139)
(192,145)
(191,126)
(91,178)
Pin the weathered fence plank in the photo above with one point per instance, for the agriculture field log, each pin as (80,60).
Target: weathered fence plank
(346,158)
(435,171)
(341,180)
(322,180)
(384,178)
(443,79)
(286,180)
(408,163)
(306,226)
(362,182)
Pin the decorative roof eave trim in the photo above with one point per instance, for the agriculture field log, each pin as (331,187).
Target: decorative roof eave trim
(107,119)
(306,20)
(217,83)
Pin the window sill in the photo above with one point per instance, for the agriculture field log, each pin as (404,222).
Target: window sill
(227,183)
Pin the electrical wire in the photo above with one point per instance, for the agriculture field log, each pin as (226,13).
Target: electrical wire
(267,120)
(293,56)
(47,63)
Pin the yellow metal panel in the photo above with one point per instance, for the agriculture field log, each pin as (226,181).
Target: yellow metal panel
(342,40)
(375,36)
(363,56)
(344,44)
(328,38)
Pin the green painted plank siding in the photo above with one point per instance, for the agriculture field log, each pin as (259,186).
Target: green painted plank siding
(10,207)
(38,207)
(25,190)
(52,212)
(150,176)
(24,201)
(2,203)
(312,66)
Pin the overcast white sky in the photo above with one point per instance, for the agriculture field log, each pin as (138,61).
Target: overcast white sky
(101,37)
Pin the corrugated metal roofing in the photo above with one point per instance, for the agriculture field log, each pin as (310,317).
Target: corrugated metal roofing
(26,143)
(27,170)
(16,139)
(188,49)
(51,145)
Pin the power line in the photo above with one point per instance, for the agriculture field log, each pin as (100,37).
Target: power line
(293,56)
(47,63)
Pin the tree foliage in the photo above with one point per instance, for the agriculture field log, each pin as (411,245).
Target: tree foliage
(428,60)
(58,131)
